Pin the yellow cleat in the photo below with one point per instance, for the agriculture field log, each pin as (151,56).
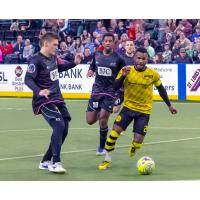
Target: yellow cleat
(104,165)
(131,151)
(134,146)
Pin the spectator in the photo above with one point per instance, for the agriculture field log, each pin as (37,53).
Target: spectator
(190,49)
(84,37)
(42,32)
(113,25)
(18,48)
(70,44)
(176,50)
(183,57)
(64,52)
(28,50)
(183,40)
(131,31)
(196,50)
(171,23)
(169,39)
(14,25)
(186,27)
(196,34)
(99,26)
(104,30)
(98,41)
(87,56)
(1,52)
(158,58)
(149,49)
(152,42)
(120,28)
(167,54)
(198,59)
(8,48)
(90,45)
(1,47)
(79,48)
(139,42)
(116,42)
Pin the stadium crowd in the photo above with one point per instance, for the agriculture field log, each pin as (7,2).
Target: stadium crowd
(166,40)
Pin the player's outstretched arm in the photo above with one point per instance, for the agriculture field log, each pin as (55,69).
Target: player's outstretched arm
(165,98)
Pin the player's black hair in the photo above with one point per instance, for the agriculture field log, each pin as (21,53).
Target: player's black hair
(141,50)
(108,35)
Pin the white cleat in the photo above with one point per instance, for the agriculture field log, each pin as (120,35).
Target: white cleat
(57,168)
(100,152)
(44,165)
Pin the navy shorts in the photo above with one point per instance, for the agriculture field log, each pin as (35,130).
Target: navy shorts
(95,103)
(126,116)
(120,97)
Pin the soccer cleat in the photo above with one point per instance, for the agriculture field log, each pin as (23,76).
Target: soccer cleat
(57,168)
(104,165)
(44,165)
(132,150)
(100,151)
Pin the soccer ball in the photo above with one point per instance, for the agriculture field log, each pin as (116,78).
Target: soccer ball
(145,165)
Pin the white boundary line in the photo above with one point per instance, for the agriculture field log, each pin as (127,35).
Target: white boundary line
(82,128)
(88,150)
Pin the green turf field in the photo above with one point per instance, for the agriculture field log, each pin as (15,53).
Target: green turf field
(172,141)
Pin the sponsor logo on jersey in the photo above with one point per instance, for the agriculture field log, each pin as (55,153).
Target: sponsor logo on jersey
(54,75)
(31,68)
(104,71)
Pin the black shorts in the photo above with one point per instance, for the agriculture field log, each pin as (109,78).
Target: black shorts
(120,98)
(95,103)
(126,116)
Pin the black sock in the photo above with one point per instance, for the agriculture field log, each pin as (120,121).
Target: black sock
(103,136)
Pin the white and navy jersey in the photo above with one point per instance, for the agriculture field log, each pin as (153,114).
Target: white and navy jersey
(43,73)
(106,68)
(128,60)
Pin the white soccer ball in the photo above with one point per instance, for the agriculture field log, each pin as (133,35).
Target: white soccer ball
(145,165)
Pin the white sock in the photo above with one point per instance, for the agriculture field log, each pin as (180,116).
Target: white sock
(108,155)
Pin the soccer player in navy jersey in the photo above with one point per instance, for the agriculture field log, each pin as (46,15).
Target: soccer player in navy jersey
(105,66)
(42,78)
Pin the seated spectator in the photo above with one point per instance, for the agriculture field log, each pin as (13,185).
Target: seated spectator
(171,23)
(152,42)
(42,32)
(120,28)
(196,34)
(183,57)
(64,52)
(8,50)
(1,56)
(183,40)
(99,26)
(196,50)
(90,45)
(70,44)
(176,50)
(103,30)
(158,58)
(113,25)
(150,49)
(87,57)
(186,27)
(169,39)
(79,48)
(28,50)
(84,37)
(14,25)
(116,42)
(190,49)
(18,48)
(139,42)
(1,47)
(167,54)
(131,31)
(198,59)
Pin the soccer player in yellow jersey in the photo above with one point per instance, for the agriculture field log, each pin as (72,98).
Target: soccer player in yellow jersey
(138,81)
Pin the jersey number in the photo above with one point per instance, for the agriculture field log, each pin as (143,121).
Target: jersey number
(54,75)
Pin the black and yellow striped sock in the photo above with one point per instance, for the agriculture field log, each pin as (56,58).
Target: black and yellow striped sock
(111,140)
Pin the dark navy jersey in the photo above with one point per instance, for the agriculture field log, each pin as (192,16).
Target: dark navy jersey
(106,68)
(128,60)
(42,73)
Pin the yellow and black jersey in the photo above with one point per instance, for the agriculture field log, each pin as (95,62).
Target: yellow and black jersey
(138,89)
